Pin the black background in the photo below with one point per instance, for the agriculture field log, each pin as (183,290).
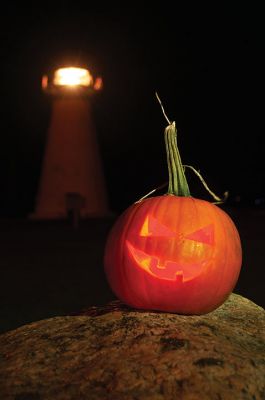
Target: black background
(206,63)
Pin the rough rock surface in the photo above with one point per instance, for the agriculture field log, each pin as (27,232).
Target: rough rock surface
(116,353)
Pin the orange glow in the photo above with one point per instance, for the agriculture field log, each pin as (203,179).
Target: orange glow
(44,82)
(152,227)
(203,235)
(190,272)
(98,84)
(192,251)
(168,270)
(72,76)
(143,259)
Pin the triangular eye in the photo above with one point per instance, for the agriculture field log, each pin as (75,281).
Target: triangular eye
(152,227)
(203,235)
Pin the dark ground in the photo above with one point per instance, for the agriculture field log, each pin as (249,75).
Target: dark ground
(50,268)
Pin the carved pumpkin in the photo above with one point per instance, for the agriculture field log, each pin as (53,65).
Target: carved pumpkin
(173,252)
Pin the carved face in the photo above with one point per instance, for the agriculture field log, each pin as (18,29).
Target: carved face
(173,253)
(175,256)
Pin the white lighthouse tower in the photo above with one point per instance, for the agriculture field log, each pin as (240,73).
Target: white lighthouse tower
(72,178)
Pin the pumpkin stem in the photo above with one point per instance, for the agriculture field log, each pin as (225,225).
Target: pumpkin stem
(151,192)
(177,184)
(218,200)
(163,111)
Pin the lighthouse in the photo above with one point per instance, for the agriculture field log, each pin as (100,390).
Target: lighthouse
(72,179)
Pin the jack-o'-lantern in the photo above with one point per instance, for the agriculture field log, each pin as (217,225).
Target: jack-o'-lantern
(174,252)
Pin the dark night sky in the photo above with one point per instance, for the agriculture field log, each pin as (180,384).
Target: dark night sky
(206,64)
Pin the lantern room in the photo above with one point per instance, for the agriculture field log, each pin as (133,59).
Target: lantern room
(71,80)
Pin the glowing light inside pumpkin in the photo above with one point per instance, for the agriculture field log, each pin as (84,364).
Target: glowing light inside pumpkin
(152,227)
(203,235)
(186,262)
(72,76)
(169,270)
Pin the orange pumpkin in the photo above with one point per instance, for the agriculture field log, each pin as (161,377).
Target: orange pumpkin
(173,253)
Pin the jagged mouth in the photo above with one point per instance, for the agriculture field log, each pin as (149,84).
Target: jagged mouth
(169,270)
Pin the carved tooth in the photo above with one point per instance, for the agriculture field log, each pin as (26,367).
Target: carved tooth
(179,276)
(161,265)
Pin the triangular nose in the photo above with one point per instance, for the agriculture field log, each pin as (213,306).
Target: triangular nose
(204,235)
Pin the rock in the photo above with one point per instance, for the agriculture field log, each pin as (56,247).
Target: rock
(117,353)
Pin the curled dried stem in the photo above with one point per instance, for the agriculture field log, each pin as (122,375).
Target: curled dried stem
(218,200)
(163,111)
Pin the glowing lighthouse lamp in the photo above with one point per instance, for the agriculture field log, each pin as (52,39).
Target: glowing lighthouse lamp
(72,179)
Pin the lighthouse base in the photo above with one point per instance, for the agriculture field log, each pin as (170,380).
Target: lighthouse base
(74,208)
